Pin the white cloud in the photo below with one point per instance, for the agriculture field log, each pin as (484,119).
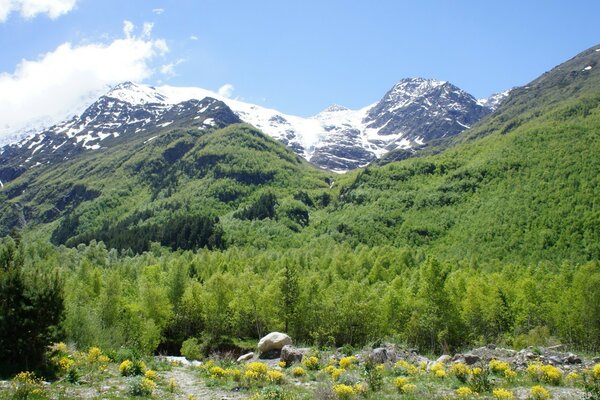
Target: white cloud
(59,82)
(147,29)
(193,37)
(158,11)
(128,28)
(31,8)
(169,69)
(226,90)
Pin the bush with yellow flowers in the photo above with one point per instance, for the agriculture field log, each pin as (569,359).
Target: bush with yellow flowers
(298,372)
(126,368)
(400,381)
(93,354)
(408,388)
(26,385)
(233,373)
(275,376)
(534,370)
(551,375)
(343,391)
(498,367)
(591,382)
(255,372)
(503,394)
(65,363)
(311,363)
(141,387)
(464,392)
(151,374)
(539,393)
(360,388)
(334,372)
(347,362)
(216,372)
(403,367)
(479,379)
(460,371)
(282,364)
(130,368)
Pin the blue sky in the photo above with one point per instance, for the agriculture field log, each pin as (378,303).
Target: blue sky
(297,57)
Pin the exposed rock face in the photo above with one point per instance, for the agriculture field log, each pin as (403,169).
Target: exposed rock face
(273,341)
(291,354)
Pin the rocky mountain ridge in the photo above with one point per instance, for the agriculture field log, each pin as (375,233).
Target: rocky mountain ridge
(413,112)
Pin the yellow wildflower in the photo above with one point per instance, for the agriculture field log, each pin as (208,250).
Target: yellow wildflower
(539,393)
(502,394)
(464,391)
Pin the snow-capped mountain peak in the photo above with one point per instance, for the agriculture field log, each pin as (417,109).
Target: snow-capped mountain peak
(412,112)
(492,102)
(136,94)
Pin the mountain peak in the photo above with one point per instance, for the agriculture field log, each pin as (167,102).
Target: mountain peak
(334,108)
(135,94)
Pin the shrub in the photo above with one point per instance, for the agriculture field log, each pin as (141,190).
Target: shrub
(400,381)
(94,354)
(130,368)
(408,388)
(311,363)
(151,374)
(191,349)
(343,391)
(275,376)
(551,375)
(464,392)
(141,387)
(498,366)
(126,368)
(24,385)
(373,375)
(346,362)
(479,380)
(403,367)
(217,372)
(298,371)
(460,371)
(539,393)
(502,394)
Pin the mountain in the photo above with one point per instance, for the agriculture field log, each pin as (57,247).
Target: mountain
(338,139)
(523,185)
(178,183)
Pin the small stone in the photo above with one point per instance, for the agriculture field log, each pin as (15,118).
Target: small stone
(245,357)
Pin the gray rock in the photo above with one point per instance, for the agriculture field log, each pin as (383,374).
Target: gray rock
(572,359)
(273,341)
(382,354)
(471,359)
(245,357)
(555,360)
(444,359)
(291,354)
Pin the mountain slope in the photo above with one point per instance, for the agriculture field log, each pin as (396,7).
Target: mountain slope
(414,111)
(523,185)
(167,184)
